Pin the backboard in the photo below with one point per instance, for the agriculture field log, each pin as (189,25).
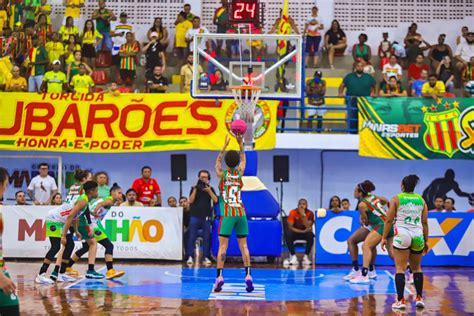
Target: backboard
(247,59)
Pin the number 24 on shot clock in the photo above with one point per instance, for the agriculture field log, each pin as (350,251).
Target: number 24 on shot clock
(244,11)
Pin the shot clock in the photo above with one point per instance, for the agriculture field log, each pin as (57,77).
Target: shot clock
(245,11)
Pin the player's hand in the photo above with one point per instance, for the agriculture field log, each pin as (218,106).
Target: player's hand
(8,286)
(78,235)
(240,138)
(426,249)
(383,244)
(63,240)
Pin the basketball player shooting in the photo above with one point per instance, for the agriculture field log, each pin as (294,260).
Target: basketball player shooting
(232,209)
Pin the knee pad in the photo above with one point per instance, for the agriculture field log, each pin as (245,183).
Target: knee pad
(83,250)
(109,247)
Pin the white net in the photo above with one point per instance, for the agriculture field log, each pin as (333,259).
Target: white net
(246,98)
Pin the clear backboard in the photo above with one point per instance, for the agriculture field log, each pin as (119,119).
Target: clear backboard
(223,61)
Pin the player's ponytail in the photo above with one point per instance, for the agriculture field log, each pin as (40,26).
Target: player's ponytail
(80,175)
(366,187)
(409,183)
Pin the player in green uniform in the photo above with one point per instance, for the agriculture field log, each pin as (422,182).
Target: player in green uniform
(98,209)
(9,304)
(408,213)
(373,211)
(232,210)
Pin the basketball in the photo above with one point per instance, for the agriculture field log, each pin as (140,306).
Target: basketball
(238,127)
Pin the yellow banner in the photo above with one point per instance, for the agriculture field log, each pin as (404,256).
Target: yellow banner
(105,123)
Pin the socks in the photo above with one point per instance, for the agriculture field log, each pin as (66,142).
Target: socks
(400,284)
(63,267)
(44,268)
(56,268)
(371,267)
(90,267)
(110,265)
(418,280)
(355,265)
(247,271)
(219,272)
(364,271)
(409,269)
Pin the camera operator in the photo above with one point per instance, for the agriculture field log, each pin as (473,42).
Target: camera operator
(200,198)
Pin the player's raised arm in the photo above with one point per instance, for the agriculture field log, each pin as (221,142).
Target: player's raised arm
(221,156)
(240,140)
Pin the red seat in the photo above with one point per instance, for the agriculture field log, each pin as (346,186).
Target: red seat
(97,90)
(103,59)
(100,77)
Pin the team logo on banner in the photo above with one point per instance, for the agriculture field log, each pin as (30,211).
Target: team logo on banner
(466,123)
(262,117)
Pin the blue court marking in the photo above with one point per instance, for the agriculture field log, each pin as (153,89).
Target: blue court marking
(279,284)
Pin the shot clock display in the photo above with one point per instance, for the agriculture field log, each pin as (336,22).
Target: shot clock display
(244,11)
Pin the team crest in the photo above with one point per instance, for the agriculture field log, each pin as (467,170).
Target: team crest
(262,117)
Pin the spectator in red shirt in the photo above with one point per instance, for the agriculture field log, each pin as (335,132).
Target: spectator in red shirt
(300,226)
(414,70)
(146,188)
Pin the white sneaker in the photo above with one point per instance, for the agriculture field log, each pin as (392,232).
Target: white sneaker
(66,278)
(60,278)
(206,262)
(190,261)
(294,260)
(372,274)
(306,260)
(352,275)
(360,280)
(42,279)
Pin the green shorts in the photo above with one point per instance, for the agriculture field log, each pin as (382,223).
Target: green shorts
(54,229)
(228,223)
(8,299)
(378,225)
(98,233)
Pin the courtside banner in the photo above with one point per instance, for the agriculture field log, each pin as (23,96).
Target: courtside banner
(105,123)
(451,239)
(416,128)
(136,232)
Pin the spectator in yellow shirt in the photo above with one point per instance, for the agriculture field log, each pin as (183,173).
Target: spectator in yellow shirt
(54,81)
(82,82)
(55,48)
(433,88)
(91,39)
(181,46)
(3,15)
(45,9)
(16,83)
(70,47)
(68,29)
(73,9)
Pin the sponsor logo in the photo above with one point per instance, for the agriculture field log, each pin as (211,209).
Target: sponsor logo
(393,130)
(262,117)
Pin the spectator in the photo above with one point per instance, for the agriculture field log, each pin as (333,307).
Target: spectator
(385,50)
(465,51)
(16,83)
(68,29)
(468,78)
(118,32)
(8,43)
(82,82)
(439,51)
(42,28)
(221,19)
(103,17)
(162,32)
(316,90)
(187,9)
(276,25)
(449,205)
(131,197)
(335,204)
(418,84)
(155,55)
(54,81)
(282,104)
(71,46)
(128,60)
(368,68)
(73,10)
(186,73)
(412,34)
(392,69)
(20,198)
(398,50)
(439,204)
(392,88)
(172,202)
(37,60)
(362,51)
(74,68)
(414,49)
(90,39)
(56,199)
(346,205)
(197,29)
(3,15)
(433,88)
(357,84)
(55,48)
(445,73)
(42,187)
(184,203)
(219,83)
(312,32)
(147,188)
(115,89)
(462,38)
(334,39)
(29,8)
(180,44)
(300,227)
(102,179)
(414,70)
(201,198)
(26,37)
(157,83)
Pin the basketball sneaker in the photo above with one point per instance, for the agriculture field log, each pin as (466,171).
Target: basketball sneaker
(66,278)
(42,279)
(219,283)
(294,260)
(306,260)
(207,262)
(56,277)
(352,274)
(94,275)
(360,279)
(372,274)
(419,302)
(72,273)
(112,274)
(190,261)
(401,304)
(249,283)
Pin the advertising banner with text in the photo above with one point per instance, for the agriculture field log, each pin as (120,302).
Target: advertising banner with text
(136,232)
(105,123)
(451,239)
(416,128)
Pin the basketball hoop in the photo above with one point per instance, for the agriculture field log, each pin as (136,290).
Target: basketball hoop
(246,97)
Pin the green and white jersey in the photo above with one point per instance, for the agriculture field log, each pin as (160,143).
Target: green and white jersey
(74,192)
(60,213)
(103,210)
(409,211)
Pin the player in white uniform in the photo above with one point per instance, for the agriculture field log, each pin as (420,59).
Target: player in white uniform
(409,212)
